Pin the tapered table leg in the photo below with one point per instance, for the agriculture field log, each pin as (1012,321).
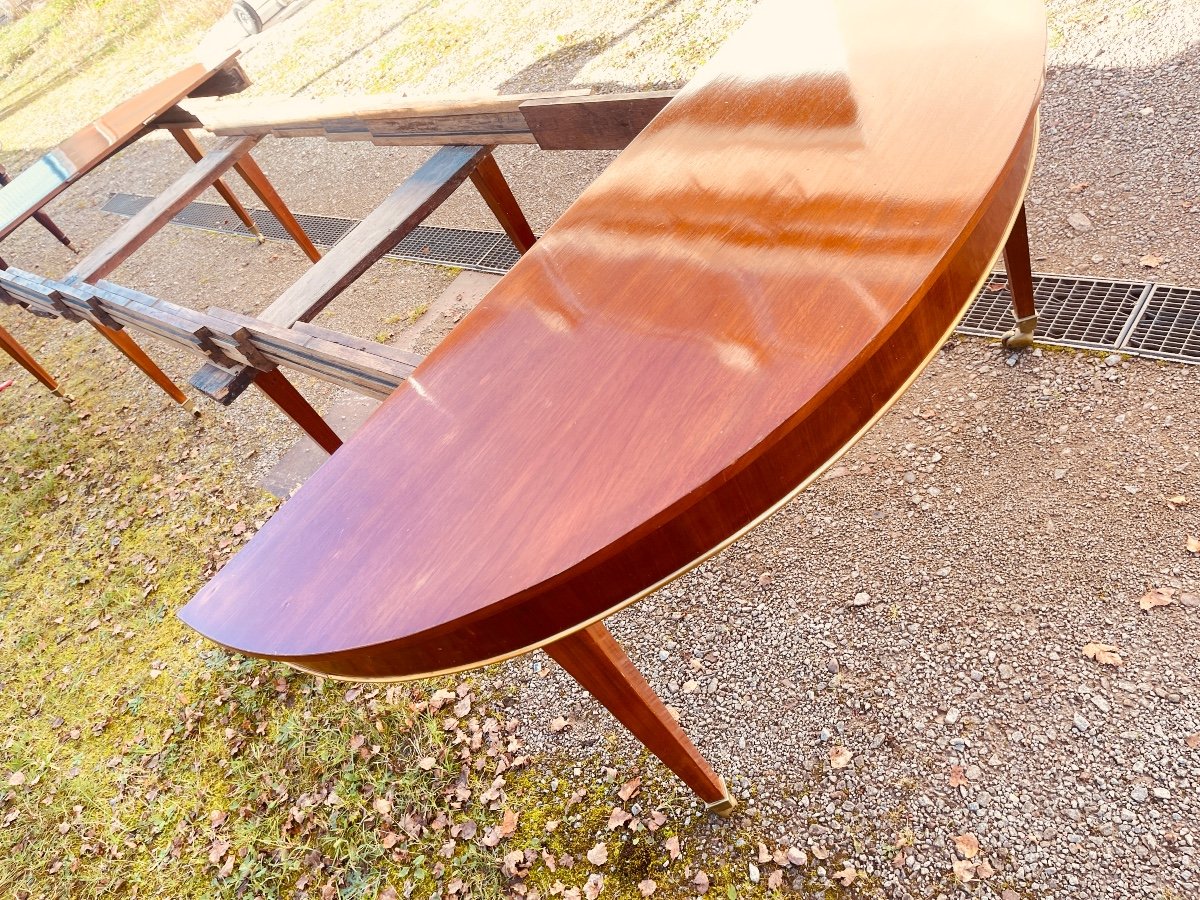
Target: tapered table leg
(192,149)
(1020,284)
(25,360)
(136,355)
(266,192)
(490,183)
(594,659)
(284,395)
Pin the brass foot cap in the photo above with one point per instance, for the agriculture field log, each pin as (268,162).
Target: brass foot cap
(723,807)
(190,406)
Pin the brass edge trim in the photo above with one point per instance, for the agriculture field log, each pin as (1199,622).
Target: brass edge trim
(782,502)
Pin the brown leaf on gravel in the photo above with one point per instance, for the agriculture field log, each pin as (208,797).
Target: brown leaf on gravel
(558,724)
(775,880)
(595,884)
(1009,894)
(647,887)
(1078,188)
(1193,740)
(1103,653)
(656,820)
(964,870)
(598,855)
(958,776)
(839,757)
(764,855)
(16,779)
(1159,596)
(671,845)
(846,876)
(967,845)
(1150,261)
(630,789)
(984,869)
(218,849)
(1193,544)
(1177,501)
(701,882)
(464,830)
(820,852)
(426,763)
(618,817)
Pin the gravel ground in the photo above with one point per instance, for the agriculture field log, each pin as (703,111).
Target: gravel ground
(926,604)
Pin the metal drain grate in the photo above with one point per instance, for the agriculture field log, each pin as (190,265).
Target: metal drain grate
(1135,317)
(482,251)
(1169,325)
(1075,312)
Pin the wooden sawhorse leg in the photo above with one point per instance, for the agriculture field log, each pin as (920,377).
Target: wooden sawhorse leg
(137,356)
(594,659)
(185,140)
(1020,284)
(25,360)
(490,183)
(253,176)
(284,395)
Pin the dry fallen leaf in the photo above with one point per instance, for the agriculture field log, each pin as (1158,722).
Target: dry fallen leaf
(964,870)
(958,776)
(839,757)
(598,855)
(1103,653)
(595,884)
(558,724)
(846,876)
(618,817)
(16,779)
(1150,261)
(1078,188)
(1159,596)
(426,763)
(1193,740)
(1177,501)
(630,789)
(701,882)
(984,869)
(671,845)
(966,844)
(647,887)
(1193,544)
(775,880)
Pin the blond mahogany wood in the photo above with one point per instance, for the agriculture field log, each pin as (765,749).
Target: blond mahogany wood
(720,314)
(257,180)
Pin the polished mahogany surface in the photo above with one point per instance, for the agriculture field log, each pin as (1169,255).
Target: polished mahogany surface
(91,145)
(727,307)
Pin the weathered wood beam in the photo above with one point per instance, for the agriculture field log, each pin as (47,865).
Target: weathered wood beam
(159,211)
(601,122)
(379,232)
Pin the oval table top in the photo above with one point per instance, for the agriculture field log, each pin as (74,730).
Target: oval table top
(740,295)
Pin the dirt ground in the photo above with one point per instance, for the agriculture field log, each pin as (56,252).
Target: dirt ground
(926,604)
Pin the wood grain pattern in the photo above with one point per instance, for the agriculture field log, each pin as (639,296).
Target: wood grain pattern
(1019,268)
(602,122)
(127,239)
(257,180)
(195,154)
(720,314)
(90,146)
(404,209)
(489,181)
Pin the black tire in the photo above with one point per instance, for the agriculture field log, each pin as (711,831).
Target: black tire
(247,17)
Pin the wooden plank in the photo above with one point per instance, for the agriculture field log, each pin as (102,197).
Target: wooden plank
(139,229)
(601,122)
(379,232)
(489,181)
(264,115)
(349,340)
(50,175)
(222,385)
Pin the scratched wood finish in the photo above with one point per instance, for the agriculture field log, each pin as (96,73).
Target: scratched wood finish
(743,291)
(90,146)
